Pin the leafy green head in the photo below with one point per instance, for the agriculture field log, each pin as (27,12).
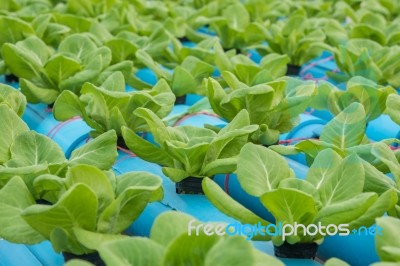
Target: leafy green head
(271,67)
(372,96)
(87,199)
(186,151)
(296,37)
(235,28)
(186,77)
(275,105)
(44,74)
(109,107)
(28,154)
(345,134)
(367,58)
(332,193)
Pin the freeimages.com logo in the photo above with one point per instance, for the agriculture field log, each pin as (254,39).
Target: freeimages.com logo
(280,229)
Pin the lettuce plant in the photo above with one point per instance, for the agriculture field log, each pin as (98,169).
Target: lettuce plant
(109,107)
(87,199)
(387,244)
(363,57)
(345,134)
(171,244)
(275,105)
(49,31)
(28,154)
(294,37)
(186,77)
(13,98)
(125,44)
(187,151)
(333,187)
(271,67)
(375,27)
(235,28)
(44,74)
(372,96)
(19,31)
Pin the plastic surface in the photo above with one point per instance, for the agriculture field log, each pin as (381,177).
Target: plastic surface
(323,114)
(308,128)
(146,75)
(35,114)
(317,68)
(383,128)
(198,120)
(16,255)
(46,255)
(357,250)
(67,134)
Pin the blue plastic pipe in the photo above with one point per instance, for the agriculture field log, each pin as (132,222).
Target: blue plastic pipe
(68,134)
(16,255)
(35,114)
(383,128)
(323,114)
(357,250)
(45,253)
(12,84)
(198,120)
(309,127)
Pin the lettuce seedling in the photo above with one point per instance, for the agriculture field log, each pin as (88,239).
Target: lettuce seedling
(187,151)
(271,67)
(372,96)
(345,134)
(87,199)
(366,58)
(19,30)
(296,37)
(28,154)
(44,74)
(334,186)
(275,105)
(109,107)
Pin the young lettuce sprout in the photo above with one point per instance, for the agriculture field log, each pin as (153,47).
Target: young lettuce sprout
(275,105)
(117,106)
(334,185)
(187,151)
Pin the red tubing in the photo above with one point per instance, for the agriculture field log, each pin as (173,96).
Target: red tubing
(53,132)
(184,118)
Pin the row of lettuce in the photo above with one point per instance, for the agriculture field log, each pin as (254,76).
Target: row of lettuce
(58,45)
(79,57)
